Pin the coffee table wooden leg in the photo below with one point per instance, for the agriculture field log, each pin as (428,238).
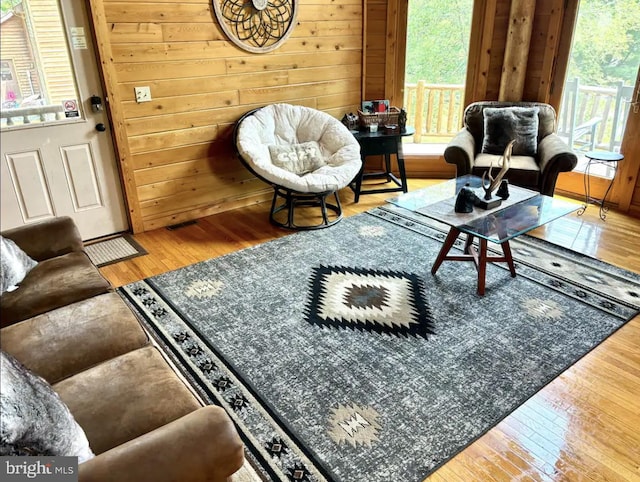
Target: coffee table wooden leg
(468,243)
(482,266)
(506,249)
(448,243)
(478,255)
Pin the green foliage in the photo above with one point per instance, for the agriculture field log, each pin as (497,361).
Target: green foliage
(438,40)
(7,6)
(606,44)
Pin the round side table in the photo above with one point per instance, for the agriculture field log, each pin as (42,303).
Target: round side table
(599,157)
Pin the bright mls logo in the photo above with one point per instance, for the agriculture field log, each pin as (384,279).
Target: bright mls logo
(51,469)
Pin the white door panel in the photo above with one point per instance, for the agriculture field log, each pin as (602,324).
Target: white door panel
(82,179)
(25,193)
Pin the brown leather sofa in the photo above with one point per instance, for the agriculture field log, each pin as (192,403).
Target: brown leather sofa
(143,422)
(64,273)
(538,172)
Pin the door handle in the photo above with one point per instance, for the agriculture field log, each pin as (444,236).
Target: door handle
(96,103)
(101,127)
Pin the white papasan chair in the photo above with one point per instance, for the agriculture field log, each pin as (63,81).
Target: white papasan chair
(305,154)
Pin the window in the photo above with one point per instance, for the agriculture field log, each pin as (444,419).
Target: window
(37,76)
(602,68)
(7,70)
(436,62)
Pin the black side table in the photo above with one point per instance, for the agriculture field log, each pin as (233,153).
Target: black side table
(599,157)
(386,144)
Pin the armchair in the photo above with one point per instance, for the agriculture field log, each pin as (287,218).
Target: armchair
(305,154)
(535,166)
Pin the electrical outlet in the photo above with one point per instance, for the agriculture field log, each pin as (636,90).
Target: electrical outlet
(143,94)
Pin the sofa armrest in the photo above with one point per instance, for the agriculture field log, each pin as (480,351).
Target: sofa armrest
(555,157)
(201,446)
(47,239)
(552,150)
(461,152)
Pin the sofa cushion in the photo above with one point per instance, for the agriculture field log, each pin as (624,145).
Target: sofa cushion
(201,446)
(297,158)
(48,238)
(34,419)
(51,284)
(65,341)
(503,124)
(523,170)
(14,265)
(125,397)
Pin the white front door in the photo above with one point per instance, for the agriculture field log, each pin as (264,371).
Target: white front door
(57,152)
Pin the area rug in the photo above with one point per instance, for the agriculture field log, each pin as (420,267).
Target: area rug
(340,357)
(114,250)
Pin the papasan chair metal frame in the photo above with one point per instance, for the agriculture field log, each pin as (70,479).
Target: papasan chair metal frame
(288,125)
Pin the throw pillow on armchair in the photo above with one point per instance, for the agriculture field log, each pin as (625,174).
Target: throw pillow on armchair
(501,125)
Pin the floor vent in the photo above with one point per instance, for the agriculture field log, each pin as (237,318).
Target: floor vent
(173,227)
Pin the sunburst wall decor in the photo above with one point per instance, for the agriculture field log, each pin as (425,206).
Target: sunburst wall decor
(256,26)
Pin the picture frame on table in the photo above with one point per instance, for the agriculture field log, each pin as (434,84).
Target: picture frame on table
(374,106)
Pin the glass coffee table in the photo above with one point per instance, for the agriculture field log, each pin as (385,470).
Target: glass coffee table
(521,212)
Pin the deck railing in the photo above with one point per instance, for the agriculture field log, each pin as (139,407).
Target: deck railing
(435,112)
(594,117)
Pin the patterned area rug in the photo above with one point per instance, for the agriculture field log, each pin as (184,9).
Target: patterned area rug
(340,357)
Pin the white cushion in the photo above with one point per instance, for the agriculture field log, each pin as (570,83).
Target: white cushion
(35,420)
(285,125)
(300,159)
(524,163)
(14,264)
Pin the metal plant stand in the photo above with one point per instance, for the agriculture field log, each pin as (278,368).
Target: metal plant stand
(599,157)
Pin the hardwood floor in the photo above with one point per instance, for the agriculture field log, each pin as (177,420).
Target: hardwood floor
(582,426)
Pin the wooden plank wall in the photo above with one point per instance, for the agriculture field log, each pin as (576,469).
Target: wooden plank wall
(498,38)
(489,36)
(628,178)
(634,208)
(385,40)
(176,151)
(544,49)
(376,49)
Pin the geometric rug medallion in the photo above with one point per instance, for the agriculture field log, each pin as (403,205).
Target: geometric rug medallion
(378,301)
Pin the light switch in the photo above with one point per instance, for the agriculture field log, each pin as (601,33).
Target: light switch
(143,94)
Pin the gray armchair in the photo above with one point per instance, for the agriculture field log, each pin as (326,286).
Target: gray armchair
(536,168)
